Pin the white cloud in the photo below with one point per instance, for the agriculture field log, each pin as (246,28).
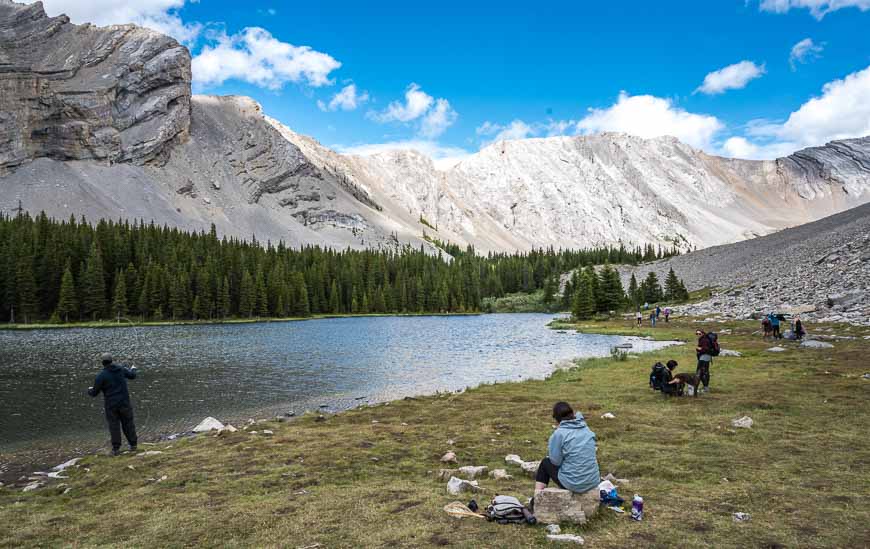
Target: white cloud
(417,102)
(649,116)
(347,99)
(159,15)
(442,156)
(256,57)
(517,129)
(732,77)
(804,51)
(818,8)
(841,112)
(434,115)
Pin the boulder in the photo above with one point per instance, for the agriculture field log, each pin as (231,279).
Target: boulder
(456,486)
(554,529)
(208,424)
(729,352)
(813,344)
(473,471)
(530,468)
(554,506)
(445,474)
(513,459)
(226,429)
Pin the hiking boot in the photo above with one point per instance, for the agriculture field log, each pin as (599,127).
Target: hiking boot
(116,452)
(133,449)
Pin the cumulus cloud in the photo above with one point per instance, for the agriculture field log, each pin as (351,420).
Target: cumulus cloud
(159,15)
(443,156)
(255,56)
(818,8)
(649,116)
(434,115)
(732,77)
(518,129)
(347,99)
(804,51)
(842,111)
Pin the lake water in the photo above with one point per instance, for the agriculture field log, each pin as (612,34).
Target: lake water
(237,371)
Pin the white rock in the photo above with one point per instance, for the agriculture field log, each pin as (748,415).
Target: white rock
(501,474)
(227,429)
(741,517)
(566,538)
(66,464)
(208,424)
(530,468)
(268,432)
(776,349)
(554,529)
(608,415)
(456,486)
(473,471)
(744,422)
(514,459)
(33,486)
(149,453)
(449,457)
(729,352)
(813,344)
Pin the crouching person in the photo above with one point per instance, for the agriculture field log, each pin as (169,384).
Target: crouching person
(571,462)
(112,382)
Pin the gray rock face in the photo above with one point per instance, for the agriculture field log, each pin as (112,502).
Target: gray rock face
(70,92)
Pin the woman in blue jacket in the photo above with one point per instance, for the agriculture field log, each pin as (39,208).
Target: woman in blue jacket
(571,463)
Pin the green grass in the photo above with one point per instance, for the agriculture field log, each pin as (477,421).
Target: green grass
(802,471)
(521,303)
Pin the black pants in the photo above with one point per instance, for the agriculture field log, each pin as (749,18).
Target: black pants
(776,334)
(703,372)
(121,417)
(547,472)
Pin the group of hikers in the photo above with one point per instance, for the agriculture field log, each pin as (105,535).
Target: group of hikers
(653,315)
(770,326)
(662,377)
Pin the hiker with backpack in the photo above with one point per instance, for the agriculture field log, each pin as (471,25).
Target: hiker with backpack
(571,462)
(667,312)
(708,347)
(660,378)
(774,325)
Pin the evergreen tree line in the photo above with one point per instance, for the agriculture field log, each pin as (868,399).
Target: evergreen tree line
(589,292)
(72,270)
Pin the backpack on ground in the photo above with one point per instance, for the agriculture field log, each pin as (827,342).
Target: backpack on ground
(659,377)
(505,510)
(714,344)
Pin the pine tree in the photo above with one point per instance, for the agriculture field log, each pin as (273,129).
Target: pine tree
(611,295)
(223,306)
(584,298)
(94,285)
(652,290)
(28,302)
(119,303)
(247,296)
(634,293)
(550,287)
(672,286)
(67,304)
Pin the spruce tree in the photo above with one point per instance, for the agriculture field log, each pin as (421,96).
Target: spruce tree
(672,286)
(247,296)
(550,287)
(67,304)
(119,302)
(94,285)
(652,290)
(584,298)
(28,301)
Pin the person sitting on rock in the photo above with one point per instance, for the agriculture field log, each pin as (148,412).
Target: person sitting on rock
(571,461)
(112,382)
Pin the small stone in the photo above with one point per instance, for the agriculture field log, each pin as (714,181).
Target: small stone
(33,486)
(227,429)
(554,529)
(741,517)
(291,413)
(744,422)
(445,474)
(449,457)
(776,349)
(608,415)
(566,538)
(451,442)
(267,432)
(472,471)
(729,352)
(513,459)
(500,474)
(149,453)
(66,464)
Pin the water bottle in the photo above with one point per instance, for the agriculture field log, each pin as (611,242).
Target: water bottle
(637,508)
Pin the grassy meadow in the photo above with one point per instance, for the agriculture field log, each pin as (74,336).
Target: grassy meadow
(364,478)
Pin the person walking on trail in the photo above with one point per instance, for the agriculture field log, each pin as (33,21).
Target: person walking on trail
(652,319)
(774,325)
(705,357)
(639,318)
(658,311)
(571,461)
(667,314)
(112,382)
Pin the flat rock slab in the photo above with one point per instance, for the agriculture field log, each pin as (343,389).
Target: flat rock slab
(813,344)
(566,538)
(554,506)
(776,350)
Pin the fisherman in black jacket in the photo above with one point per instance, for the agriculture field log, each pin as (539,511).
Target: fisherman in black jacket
(112,382)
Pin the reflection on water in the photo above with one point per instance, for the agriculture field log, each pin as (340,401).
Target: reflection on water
(241,370)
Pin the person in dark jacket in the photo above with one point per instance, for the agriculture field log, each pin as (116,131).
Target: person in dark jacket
(798,328)
(705,357)
(112,382)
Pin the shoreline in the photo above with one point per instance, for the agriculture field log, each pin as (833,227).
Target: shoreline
(108,324)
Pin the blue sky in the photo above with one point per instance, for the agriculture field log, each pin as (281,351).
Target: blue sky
(451,77)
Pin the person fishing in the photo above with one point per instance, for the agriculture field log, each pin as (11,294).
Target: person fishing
(112,382)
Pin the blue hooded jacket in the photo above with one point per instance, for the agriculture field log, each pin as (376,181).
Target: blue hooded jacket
(572,449)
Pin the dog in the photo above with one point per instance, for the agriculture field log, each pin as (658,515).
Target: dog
(682,380)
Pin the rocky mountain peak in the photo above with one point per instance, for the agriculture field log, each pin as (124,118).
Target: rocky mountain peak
(80,92)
